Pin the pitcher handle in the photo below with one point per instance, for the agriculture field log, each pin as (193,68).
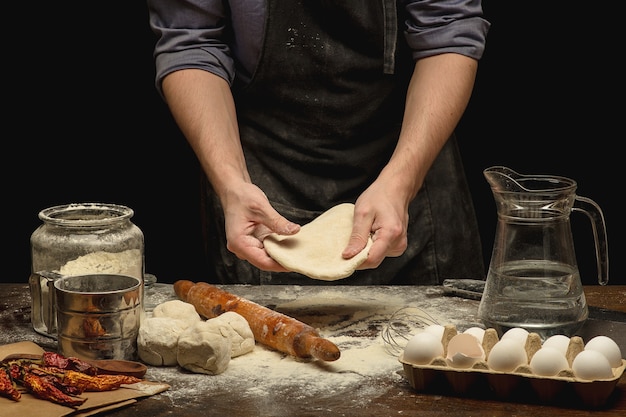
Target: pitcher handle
(593,211)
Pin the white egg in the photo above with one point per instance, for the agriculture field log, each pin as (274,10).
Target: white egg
(476,332)
(506,355)
(558,341)
(516,333)
(608,348)
(464,350)
(591,365)
(436,329)
(548,361)
(422,348)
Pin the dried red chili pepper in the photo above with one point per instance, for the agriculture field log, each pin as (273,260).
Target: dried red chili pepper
(101,382)
(62,362)
(54,377)
(45,390)
(15,371)
(7,386)
(51,378)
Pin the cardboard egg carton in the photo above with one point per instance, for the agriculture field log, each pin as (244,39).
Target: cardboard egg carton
(519,385)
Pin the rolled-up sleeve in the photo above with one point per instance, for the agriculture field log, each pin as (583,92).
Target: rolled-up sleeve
(442,26)
(190,34)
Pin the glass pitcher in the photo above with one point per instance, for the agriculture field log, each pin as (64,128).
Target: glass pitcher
(533,280)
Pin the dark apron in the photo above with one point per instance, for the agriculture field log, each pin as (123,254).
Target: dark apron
(320,119)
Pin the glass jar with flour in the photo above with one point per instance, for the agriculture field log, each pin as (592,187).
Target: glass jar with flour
(77,239)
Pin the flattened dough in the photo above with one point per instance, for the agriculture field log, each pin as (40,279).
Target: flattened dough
(315,250)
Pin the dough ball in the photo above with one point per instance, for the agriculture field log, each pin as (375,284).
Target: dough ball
(203,349)
(177,309)
(157,340)
(236,328)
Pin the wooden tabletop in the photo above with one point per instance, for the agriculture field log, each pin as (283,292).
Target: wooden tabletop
(354,318)
(609,297)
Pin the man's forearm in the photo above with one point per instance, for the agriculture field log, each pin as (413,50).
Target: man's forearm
(438,95)
(203,107)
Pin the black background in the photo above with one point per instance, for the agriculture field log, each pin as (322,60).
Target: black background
(83,122)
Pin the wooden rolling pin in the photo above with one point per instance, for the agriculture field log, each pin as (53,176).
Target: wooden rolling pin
(269,327)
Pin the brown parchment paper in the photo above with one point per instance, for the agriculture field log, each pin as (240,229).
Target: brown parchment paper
(97,402)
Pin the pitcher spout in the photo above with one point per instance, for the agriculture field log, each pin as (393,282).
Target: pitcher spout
(501,178)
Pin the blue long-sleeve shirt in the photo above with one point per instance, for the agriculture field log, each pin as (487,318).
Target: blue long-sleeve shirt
(226,37)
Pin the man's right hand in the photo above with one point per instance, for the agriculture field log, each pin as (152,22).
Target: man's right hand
(249,219)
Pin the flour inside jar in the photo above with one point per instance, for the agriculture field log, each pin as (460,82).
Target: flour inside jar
(128,262)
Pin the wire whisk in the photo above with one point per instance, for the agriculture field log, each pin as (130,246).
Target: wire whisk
(402,325)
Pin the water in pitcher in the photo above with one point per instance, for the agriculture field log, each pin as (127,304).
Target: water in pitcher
(541,296)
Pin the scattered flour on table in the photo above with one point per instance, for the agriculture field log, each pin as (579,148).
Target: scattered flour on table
(355,326)
(265,371)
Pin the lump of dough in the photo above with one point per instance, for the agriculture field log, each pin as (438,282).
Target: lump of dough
(157,340)
(203,349)
(177,309)
(236,328)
